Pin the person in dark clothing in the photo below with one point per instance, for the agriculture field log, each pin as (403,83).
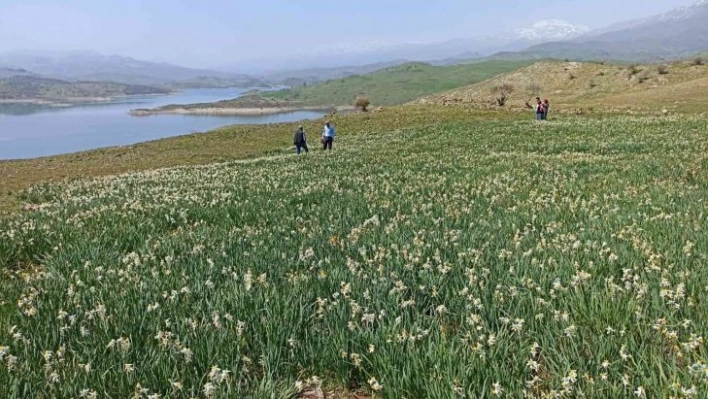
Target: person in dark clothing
(300,140)
(546,108)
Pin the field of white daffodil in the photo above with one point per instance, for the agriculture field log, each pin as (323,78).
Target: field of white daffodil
(474,259)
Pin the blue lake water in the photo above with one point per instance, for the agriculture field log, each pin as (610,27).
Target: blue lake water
(29,131)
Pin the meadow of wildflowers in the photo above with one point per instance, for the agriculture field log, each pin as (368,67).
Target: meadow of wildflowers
(475,259)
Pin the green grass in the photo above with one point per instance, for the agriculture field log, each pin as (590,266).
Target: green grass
(396,85)
(429,261)
(225,144)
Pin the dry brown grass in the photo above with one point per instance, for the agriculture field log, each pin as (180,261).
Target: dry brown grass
(601,87)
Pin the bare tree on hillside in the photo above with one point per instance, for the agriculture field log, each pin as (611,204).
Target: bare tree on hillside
(502,92)
(534,89)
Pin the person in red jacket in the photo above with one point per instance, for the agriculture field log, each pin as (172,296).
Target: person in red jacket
(540,110)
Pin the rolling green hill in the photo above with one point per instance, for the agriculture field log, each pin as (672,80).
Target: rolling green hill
(397,84)
(316,75)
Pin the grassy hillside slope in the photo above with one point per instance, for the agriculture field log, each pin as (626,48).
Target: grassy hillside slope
(395,85)
(314,75)
(573,85)
(551,259)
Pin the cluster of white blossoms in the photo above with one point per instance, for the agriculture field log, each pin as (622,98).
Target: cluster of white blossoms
(471,259)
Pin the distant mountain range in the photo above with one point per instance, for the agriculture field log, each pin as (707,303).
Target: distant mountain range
(674,34)
(372,53)
(10,72)
(87,66)
(27,87)
(90,66)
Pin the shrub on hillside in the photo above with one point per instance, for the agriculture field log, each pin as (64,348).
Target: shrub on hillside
(362,103)
(698,61)
(633,70)
(503,92)
(663,69)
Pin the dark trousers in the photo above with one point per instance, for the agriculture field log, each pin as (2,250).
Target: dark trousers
(327,143)
(301,146)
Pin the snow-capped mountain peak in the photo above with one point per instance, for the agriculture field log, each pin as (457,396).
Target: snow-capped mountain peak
(550,30)
(680,13)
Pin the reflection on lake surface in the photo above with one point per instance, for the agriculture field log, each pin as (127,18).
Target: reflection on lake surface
(31,130)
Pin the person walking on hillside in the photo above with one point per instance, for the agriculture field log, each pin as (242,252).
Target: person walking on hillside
(327,136)
(546,108)
(300,140)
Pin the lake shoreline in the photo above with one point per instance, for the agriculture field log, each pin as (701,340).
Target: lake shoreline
(33,130)
(76,101)
(232,111)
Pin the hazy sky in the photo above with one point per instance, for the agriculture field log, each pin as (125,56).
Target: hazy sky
(218,32)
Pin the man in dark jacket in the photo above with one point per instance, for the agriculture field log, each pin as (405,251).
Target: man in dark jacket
(300,140)
(546,108)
